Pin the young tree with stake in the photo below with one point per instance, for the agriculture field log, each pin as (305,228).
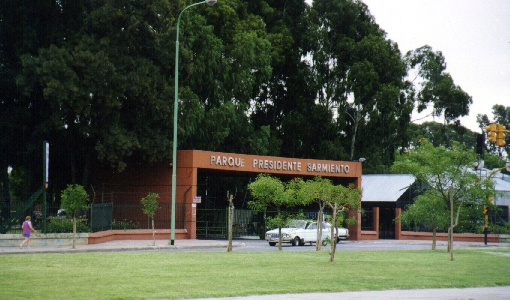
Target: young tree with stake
(74,200)
(150,205)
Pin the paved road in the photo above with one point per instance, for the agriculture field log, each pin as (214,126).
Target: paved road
(241,245)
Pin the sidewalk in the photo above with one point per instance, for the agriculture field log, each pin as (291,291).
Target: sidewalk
(123,245)
(485,293)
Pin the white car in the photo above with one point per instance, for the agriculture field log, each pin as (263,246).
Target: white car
(300,232)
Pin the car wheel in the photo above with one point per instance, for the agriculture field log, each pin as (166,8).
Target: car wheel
(272,244)
(337,240)
(296,241)
(324,242)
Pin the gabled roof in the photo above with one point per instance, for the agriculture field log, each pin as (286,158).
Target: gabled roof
(501,185)
(385,187)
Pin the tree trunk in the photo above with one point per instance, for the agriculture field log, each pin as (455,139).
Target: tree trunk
(86,169)
(230,221)
(74,232)
(320,219)
(279,230)
(153,233)
(334,211)
(450,230)
(353,140)
(434,237)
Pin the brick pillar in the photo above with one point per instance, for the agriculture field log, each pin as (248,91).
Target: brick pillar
(186,190)
(355,230)
(375,220)
(398,227)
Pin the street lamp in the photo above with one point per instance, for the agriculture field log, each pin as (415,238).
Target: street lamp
(176,91)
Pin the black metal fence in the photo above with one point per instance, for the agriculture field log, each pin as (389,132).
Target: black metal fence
(213,223)
(98,217)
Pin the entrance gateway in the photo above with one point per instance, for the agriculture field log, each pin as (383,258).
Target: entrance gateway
(190,162)
(197,173)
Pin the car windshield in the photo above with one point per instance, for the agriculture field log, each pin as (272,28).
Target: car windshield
(296,224)
(325,226)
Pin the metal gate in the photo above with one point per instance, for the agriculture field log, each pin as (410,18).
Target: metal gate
(213,224)
(101,216)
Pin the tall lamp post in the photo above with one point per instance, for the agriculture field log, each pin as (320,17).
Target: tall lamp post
(176,108)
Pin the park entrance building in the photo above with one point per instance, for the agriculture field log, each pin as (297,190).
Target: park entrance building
(203,180)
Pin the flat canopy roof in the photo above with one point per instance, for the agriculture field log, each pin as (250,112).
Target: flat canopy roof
(384,187)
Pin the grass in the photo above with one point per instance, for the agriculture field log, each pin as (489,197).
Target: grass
(172,275)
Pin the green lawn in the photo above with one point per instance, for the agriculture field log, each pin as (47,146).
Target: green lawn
(171,275)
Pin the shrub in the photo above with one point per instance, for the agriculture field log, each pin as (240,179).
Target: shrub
(64,225)
(500,229)
(124,225)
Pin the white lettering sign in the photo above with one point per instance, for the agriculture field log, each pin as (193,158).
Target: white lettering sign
(278,164)
(327,168)
(283,165)
(230,161)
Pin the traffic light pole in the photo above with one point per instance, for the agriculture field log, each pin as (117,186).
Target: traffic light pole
(490,198)
(496,135)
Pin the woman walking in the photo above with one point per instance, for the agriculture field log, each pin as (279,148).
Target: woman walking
(27,229)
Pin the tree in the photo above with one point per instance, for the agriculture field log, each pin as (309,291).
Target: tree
(428,209)
(317,190)
(104,85)
(359,74)
(441,134)
(268,191)
(437,86)
(260,77)
(448,172)
(74,200)
(150,206)
(342,199)
(337,197)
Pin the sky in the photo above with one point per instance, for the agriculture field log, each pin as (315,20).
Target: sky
(473,35)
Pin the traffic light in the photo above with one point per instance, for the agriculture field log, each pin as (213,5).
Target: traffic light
(500,135)
(491,133)
(480,144)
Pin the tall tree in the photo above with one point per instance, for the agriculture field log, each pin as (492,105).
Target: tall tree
(105,90)
(360,76)
(441,134)
(436,85)
(25,26)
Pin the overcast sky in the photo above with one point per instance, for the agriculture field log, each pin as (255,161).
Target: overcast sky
(473,35)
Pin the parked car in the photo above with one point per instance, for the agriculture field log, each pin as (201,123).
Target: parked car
(300,232)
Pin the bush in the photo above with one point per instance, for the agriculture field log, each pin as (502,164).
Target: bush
(64,225)
(124,225)
(500,229)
